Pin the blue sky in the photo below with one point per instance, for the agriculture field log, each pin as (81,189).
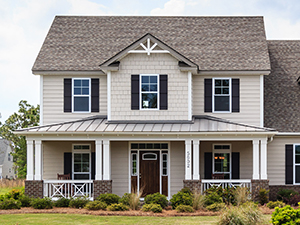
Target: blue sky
(25,23)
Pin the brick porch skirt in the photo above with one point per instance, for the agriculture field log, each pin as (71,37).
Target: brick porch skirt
(193,185)
(34,188)
(275,188)
(102,187)
(256,185)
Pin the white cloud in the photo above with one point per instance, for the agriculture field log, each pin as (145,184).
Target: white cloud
(171,8)
(84,7)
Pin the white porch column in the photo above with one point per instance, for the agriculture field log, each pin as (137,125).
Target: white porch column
(30,160)
(196,160)
(38,160)
(106,160)
(188,164)
(255,144)
(263,159)
(98,162)
(108,95)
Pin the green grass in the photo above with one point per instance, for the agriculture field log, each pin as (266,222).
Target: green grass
(4,190)
(91,219)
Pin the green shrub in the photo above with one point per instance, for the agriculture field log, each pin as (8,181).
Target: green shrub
(117,207)
(252,213)
(78,202)
(42,203)
(212,198)
(272,205)
(263,196)
(125,199)
(132,200)
(25,200)
(215,207)
(186,190)
(156,208)
(285,194)
(10,204)
(228,194)
(285,215)
(62,202)
(96,205)
(181,198)
(109,198)
(14,194)
(157,198)
(184,208)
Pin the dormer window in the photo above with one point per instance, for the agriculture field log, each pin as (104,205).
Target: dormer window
(149,91)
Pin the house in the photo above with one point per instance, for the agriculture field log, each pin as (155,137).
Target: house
(161,103)
(6,160)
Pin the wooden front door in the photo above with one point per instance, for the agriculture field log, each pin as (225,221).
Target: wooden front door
(149,172)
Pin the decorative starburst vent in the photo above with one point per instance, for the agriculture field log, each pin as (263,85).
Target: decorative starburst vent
(149,49)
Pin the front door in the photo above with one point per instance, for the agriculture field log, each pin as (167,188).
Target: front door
(149,172)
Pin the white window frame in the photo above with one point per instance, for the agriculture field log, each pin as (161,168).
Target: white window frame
(213,94)
(141,92)
(74,151)
(295,164)
(162,163)
(73,95)
(149,153)
(222,151)
(137,164)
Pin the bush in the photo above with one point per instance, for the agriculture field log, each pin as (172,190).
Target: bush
(263,196)
(272,205)
(186,190)
(14,194)
(125,199)
(10,204)
(228,195)
(252,213)
(242,195)
(212,198)
(215,207)
(96,205)
(42,203)
(293,200)
(132,200)
(62,202)
(285,194)
(181,198)
(25,201)
(156,208)
(109,198)
(198,201)
(286,215)
(78,202)
(157,198)
(184,208)
(117,207)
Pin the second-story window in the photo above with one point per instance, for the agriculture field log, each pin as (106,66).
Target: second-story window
(221,94)
(81,95)
(149,91)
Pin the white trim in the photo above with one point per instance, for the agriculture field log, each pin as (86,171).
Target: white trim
(222,151)
(162,162)
(263,159)
(213,94)
(30,160)
(188,159)
(41,100)
(190,95)
(255,145)
(261,79)
(149,49)
(89,95)
(106,160)
(81,151)
(141,92)
(108,95)
(98,159)
(288,134)
(136,164)
(234,72)
(149,153)
(38,160)
(295,164)
(196,160)
(68,73)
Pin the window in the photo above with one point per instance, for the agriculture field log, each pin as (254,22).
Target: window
(149,91)
(8,157)
(9,170)
(81,162)
(297,163)
(222,160)
(221,94)
(134,164)
(164,164)
(81,95)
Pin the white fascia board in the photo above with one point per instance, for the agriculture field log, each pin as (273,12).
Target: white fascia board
(69,73)
(288,134)
(234,72)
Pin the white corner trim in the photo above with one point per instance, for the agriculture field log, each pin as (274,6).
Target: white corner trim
(108,95)
(261,100)
(41,99)
(189,95)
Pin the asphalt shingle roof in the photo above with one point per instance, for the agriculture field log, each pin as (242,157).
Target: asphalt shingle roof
(82,43)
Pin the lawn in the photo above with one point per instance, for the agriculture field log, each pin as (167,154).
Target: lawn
(8,185)
(91,219)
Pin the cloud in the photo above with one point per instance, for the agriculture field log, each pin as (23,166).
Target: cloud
(171,8)
(84,7)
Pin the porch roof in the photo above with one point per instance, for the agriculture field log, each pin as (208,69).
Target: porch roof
(98,124)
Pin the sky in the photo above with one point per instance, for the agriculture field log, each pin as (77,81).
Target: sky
(24,25)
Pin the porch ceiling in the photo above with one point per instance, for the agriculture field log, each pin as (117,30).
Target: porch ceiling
(101,125)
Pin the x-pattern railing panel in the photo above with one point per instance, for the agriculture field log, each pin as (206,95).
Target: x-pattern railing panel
(206,184)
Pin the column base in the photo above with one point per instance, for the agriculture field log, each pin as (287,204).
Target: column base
(34,188)
(102,187)
(193,185)
(256,185)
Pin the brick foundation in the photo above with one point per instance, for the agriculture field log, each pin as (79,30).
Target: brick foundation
(256,185)
(102,187)
(193,185)
(275,188)
(34,188)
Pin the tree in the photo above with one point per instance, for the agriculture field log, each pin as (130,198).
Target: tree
(27,116)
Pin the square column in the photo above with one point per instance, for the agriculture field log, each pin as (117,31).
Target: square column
(188,159)
(30,160)
(263,159)
(38,160)
(196,160)
(106,160)
(98,175)
(255,144)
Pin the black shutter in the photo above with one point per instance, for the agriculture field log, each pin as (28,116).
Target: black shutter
(95,95)
(207,95)
(68,163)
(235,95)
(93,166)
(67,95)
(163,92)
(289,164)
(135,92)
(207,165)
(235,165)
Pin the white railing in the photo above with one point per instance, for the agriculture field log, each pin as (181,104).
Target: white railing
(206,184)
(68,188)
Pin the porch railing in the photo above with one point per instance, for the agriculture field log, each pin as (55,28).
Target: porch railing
(68,188)
(206,184)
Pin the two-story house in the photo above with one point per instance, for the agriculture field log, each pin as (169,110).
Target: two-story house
(161,103)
